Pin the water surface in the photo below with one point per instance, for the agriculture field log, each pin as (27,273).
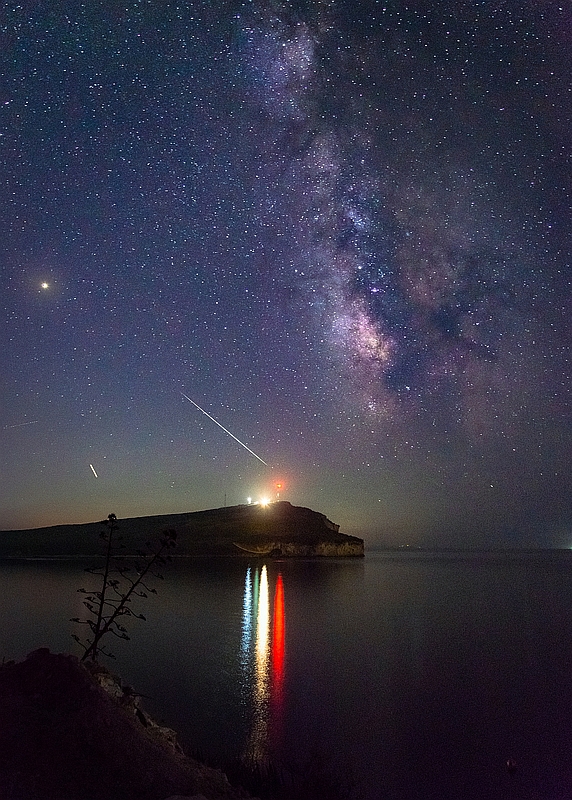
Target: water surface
(418,674)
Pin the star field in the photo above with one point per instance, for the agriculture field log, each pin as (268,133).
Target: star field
(342,229)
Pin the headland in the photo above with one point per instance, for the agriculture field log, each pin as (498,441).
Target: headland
(277,530)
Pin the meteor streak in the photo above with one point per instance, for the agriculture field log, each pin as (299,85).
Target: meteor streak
(252,453)
(21,424)
(93,470)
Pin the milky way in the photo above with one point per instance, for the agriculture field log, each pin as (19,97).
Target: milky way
(343,228)
(417,262)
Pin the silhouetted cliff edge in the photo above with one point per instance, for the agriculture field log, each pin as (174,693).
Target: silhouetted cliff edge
(279,529)
(74,732)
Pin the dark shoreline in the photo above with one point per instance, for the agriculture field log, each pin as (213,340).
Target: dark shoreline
(74,730)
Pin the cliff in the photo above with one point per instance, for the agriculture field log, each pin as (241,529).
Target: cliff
(73,733)
(279,529)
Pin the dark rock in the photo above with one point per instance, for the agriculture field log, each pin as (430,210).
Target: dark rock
(64,737)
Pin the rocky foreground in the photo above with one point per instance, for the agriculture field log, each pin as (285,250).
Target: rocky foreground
(69,732)
(279,529)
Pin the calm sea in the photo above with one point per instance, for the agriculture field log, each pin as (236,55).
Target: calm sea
(412,675)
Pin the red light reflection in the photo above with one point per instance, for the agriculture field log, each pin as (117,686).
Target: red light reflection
(278,635)
(277,674)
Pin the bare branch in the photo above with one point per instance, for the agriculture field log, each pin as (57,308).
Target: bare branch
(113,600)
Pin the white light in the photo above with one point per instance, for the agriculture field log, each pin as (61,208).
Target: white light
(249,500)
(264,501)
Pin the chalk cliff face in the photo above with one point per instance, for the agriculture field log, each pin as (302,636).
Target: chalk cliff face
(287,549)
(279,529)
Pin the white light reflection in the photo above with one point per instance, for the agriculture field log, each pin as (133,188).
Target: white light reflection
(262,622)
(246,620)
(256,746)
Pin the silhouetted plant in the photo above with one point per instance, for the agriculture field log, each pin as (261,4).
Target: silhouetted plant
(121,581)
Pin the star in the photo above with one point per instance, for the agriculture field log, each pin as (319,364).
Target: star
(340,226)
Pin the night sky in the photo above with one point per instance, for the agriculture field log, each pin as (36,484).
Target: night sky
(340,228)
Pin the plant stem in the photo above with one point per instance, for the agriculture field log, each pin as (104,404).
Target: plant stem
(102,629)
(92,649)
